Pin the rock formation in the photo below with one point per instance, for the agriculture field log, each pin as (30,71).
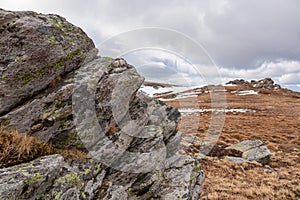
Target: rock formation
(238,82)
(266,83)
(49,69)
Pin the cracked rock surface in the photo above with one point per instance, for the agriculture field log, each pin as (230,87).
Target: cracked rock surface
(55,88)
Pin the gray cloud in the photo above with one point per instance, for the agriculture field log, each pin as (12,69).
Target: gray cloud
(239,35)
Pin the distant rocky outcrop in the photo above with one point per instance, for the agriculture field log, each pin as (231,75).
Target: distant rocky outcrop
(238,82)
(47,64)
(266,83)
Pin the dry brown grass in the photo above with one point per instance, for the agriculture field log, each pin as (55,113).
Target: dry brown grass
(276,123)
(72,154)
(16,148)
(227,180)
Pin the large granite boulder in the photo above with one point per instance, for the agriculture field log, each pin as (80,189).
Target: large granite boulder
(35,51)
(51,177)
(89,103)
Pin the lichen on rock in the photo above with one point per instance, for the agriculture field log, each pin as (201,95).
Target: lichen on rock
(45,79)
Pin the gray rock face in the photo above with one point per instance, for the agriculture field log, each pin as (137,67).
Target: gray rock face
(131,139)
(237,160)
(253,150)
(50,178)
(260,154)
(246,145)
(35,51)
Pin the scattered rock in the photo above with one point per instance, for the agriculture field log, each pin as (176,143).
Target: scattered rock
(253,150)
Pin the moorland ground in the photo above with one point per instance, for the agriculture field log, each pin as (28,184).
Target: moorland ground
(275,121)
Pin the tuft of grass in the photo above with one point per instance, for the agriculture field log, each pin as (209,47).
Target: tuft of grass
(16,148)
(73,154)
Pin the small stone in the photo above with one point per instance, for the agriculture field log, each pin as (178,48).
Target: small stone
(122,62)
(37,127)
(268,170)
(115,63)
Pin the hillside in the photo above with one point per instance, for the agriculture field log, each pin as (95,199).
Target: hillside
(76,125)
(267,113)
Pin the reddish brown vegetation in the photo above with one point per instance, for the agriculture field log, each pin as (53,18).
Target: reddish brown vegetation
(16,148)
(275,122)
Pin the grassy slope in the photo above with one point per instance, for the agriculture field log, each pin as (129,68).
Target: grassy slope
(276,123)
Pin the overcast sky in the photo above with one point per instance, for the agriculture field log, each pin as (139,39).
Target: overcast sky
(250,39)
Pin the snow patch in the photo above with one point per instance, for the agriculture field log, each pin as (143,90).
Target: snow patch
(247,92)
(151,90)
(178,91)
(230,85)
(188,111)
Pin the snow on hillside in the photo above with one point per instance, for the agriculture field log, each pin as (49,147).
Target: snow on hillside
(151,91)
(247,92)
(154,91)
(187,111)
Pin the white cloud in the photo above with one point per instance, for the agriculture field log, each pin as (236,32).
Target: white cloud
(236,33)
(286,73)
(290,79)
(245,38)
(164,66)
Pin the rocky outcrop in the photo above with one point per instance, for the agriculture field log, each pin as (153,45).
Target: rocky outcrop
(266,83)
(62,93)
(51,177)
(238,82)
(253,150)
(242,152)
